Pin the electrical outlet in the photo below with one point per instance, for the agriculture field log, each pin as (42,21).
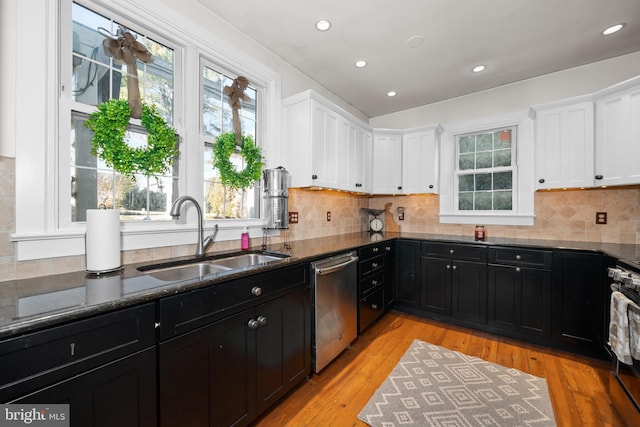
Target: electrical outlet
(601,217)
(293,217)
(328,215)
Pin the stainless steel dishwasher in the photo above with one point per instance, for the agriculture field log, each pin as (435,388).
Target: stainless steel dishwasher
(335,305)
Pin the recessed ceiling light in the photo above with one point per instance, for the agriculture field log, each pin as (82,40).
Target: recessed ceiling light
(323,25)
(392,93)
(415,41)
(612,29)
(361,63)
(478,68)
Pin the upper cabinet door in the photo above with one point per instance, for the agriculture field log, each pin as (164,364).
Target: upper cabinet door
(420,160)
(618,134)
(386,171)
(564,144)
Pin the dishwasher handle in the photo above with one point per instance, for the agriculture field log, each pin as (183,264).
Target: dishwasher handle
(320,271)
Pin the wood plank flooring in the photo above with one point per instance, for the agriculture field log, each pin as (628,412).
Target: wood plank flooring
(578,385)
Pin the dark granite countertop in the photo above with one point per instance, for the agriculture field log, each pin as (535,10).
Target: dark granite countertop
(36,303)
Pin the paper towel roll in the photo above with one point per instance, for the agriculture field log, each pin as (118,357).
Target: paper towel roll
(103,240)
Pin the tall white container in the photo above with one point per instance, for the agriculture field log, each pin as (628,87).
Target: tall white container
(102,242)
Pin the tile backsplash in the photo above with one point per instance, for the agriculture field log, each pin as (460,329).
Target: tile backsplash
(560,215)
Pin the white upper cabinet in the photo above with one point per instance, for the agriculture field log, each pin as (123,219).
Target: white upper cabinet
(564,144)
(618,134)
(355,157)
(386,168)
(420,160)
(312,141)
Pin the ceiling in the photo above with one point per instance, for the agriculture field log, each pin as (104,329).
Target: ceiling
(515,39)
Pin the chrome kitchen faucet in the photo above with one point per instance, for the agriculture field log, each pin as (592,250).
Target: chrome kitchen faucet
(202,243)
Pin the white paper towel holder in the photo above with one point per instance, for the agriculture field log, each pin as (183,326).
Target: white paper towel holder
(108,269)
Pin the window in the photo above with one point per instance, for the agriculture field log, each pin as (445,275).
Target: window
(221,202)
(98,77)
(485,170)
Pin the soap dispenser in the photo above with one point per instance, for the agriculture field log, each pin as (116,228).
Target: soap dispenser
(244,239)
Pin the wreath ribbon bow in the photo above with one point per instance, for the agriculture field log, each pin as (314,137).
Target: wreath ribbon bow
(125,48)
(236,95)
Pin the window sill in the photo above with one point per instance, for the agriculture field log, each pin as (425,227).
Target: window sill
(487,219)
(65,243)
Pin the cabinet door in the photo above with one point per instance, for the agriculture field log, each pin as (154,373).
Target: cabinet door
(436,281)
(469,291)
(564,148)
(578,298)
(618,138)
(407,273)
(520,299)
(208,376)
(325,146)
(387,164)
(420,162)
(120,393)
(283,349)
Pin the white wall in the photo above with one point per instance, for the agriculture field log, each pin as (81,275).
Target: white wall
(517,96)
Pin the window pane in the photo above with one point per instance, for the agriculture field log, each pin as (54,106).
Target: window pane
(465,183)
(483,201)
(467,161)
(502,158)
(467,144)
(502,200)
(483,160)
(484,142)
(465,201)
(502,181)
(483,182)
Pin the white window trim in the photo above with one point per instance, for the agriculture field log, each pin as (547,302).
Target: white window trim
(40,233)
(523,213)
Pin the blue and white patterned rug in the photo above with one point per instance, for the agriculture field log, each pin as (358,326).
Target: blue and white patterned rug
(434,386)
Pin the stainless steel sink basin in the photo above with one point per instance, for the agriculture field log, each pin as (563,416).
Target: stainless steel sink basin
(185,272)
(246,260)
(217,265)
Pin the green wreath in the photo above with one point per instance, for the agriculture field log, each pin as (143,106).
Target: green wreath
(224,146)
(109,125)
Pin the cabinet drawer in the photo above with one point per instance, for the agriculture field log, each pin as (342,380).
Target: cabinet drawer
(534,258)
(371,282)
(476,253)
(371,307)
(375,250)
(370,265)
(182,313)
(37,359)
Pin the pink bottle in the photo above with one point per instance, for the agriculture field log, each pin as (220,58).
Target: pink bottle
(244,239)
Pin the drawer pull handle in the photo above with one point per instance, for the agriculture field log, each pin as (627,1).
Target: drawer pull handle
(73,348)
(256,291)
(375,250)
(374,306)
(518,257)
(388,248)
(374,264)
(374,282)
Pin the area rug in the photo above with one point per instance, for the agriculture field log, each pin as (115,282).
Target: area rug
(434,386)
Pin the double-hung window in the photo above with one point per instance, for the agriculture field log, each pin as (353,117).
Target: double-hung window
(486,170)
(222,202)
(98,77)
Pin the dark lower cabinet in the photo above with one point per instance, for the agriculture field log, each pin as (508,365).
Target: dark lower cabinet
(578,302)
(520,300)
(230,371)
(375,282)
(407,268)
(120,393)
(454,281)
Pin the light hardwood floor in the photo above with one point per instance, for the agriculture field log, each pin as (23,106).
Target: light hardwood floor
(578,385)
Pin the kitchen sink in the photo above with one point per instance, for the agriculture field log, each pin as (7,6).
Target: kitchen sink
(175,271)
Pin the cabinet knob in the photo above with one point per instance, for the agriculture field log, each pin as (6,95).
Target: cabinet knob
(253,324)
(374,306)
(541,180)
(518,269)
(262,321)
(314,176)
(399,187)
(518,257)
(374,282)
(448,266)
(256,291)
(430,185)
(375,250)
(374,264)
(387,248)
(450,251)
(599,176)
(455,267)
